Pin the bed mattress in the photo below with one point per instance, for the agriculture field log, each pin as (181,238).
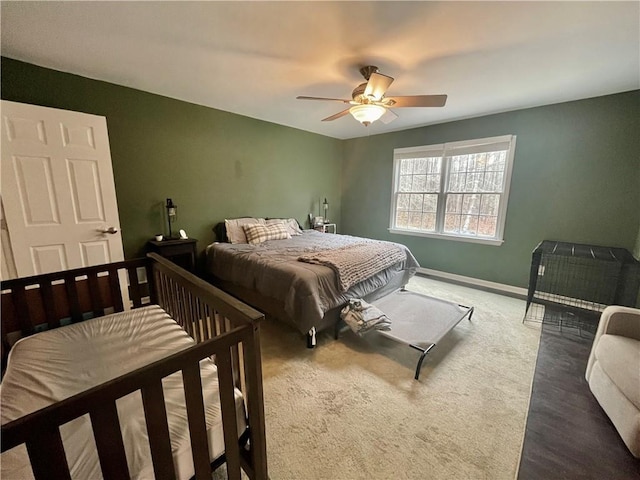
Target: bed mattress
(56,364)
(307,291)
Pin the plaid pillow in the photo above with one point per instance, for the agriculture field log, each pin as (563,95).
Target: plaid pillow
(291,223)
(261,233)
(234,231)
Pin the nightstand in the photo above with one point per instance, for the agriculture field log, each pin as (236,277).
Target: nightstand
(327,228)
(182,252)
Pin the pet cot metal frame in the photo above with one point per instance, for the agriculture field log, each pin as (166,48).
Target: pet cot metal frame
(418,320)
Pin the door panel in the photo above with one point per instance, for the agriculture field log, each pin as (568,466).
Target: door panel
(78,136)
(49,258)
(84,182)
(95,253)
(58,189)
(35,185)
(25,130)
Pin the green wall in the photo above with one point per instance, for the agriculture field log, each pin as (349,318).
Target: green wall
(576,172)
(576,178)
(213,164)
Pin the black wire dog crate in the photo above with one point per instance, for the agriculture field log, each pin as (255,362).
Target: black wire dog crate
(570,284)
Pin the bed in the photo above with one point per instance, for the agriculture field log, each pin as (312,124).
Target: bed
(308,296)
(170,388)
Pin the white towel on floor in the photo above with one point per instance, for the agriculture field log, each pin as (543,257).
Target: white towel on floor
(363,317)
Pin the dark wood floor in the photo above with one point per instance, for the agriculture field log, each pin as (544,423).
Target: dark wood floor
(568,436)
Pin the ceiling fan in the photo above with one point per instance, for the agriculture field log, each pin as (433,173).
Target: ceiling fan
(369,102)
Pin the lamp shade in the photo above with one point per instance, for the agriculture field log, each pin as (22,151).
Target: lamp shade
(172,211)
(171,208)
(367,113)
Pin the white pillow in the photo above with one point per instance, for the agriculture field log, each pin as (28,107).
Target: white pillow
(235,233)
(291,223)
(261,233)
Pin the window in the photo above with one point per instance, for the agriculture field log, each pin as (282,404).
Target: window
(455,190)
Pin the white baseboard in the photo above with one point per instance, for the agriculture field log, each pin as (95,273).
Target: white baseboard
(475,282)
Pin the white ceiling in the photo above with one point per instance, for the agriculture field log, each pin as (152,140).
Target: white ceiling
(254,58)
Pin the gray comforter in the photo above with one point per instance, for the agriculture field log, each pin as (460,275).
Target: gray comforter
(306,290)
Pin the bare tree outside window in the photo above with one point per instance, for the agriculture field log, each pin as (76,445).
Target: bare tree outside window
(476,182)
(418,193)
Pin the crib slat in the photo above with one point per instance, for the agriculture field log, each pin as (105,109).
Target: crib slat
(179,317)
(153,296)
(184,304)
(22,309)
(203,319)
(72,296)
(155,413)
(114,288)
(216,321)
(180,309)
(47,457)
(197,426)
(94,293)
(206,313)
(229,420)
(175,304)
(106,429)
(255,406)
(46,290)
(195,305)
(170,297)
(187,314)
(160,292)
(134,287)
(193,318)
(166,298)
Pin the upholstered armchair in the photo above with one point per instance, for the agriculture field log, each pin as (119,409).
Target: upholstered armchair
(613,371)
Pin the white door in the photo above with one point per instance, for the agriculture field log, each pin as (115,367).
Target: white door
(57,189)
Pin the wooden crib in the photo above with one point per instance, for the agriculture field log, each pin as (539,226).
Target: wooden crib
(222,328)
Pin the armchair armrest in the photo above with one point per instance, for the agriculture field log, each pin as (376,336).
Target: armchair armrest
(615,320)
(623,321)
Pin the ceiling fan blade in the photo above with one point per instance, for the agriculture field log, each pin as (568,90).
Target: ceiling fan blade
(417,101)
(337,115)
(377,85)
(322,98)
(388,117)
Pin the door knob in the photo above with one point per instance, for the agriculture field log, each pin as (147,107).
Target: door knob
(110,230)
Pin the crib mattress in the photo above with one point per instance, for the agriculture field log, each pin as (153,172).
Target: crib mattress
(53,365)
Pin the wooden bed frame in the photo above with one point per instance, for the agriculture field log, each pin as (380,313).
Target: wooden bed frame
(221,325)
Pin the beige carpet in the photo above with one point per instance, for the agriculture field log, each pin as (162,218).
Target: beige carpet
(351,409)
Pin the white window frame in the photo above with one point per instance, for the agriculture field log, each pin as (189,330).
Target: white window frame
(444,151)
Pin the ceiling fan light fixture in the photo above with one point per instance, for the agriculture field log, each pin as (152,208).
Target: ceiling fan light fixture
(367,113)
